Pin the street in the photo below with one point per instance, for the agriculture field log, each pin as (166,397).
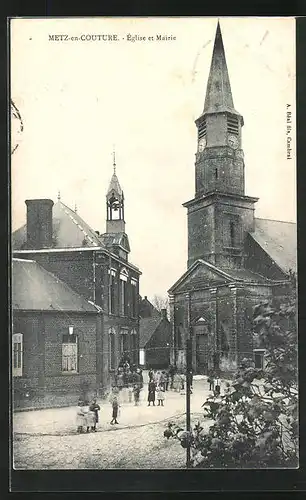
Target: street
(47,439)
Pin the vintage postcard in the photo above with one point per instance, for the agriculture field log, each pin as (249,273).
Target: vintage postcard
(153,194)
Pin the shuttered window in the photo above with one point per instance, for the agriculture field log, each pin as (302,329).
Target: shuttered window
(70,354)
(17,354)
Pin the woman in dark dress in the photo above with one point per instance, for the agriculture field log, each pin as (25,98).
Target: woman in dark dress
(151,393)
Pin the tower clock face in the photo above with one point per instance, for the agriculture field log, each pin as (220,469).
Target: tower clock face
(232,141)
(202,144)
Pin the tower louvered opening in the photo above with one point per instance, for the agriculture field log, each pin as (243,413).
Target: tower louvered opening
(233,125)
(202,128)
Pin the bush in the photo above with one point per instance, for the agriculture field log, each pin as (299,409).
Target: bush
(255,421)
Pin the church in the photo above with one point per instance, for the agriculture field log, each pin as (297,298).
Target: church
(85,274)
(235,260)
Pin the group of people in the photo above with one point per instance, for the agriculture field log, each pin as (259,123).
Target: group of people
(87,415)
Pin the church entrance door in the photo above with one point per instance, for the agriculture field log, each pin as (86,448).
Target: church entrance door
(202,354)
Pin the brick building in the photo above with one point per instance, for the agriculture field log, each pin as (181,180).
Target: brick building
(56,339)
(94,265)
(235,260)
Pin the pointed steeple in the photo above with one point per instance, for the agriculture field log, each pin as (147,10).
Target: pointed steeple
(218,92)
(114,186)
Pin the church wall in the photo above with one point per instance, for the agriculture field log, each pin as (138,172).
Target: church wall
(201,234)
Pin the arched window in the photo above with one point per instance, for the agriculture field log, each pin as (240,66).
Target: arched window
(111,348)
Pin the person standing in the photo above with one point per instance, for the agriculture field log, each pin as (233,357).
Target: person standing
(217,386)
(160,395)
(115,408)
(171,372)
(136,391)
(151,374)
(95,408)
(151,393)
(210,380)
(80,418)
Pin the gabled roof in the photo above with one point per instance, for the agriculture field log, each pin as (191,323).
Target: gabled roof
(34,288)
(69,230)
(279,240)
(147,327)
(203,273)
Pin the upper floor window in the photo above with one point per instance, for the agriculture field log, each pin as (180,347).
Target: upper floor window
(70,353)
(17,353)
(134,298)
(123,293)
(112,291)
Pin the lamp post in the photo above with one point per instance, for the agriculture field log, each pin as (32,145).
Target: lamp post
(188,370)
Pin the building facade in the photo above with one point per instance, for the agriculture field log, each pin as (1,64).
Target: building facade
(94,265)
(56,340)
(235,260)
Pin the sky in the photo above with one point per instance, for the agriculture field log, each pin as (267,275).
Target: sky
(77,99)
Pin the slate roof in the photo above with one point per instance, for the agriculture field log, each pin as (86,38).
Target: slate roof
(218,94)
(110,239)
(69,230)
(147,327)
(34,288)
(114,186)
(279,240)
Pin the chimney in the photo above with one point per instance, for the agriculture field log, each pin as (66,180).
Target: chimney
(164,313)
(39,223)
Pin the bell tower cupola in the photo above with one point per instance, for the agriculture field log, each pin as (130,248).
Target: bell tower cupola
(115,204)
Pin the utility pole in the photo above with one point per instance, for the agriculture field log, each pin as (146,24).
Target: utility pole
(188,370)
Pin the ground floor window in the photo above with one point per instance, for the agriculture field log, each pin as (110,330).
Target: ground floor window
(141,357)
(134,345)
(17,354)
(259,358)
(124,341)
(70,353)
(111,349)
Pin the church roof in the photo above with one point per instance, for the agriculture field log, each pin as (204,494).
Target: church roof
(34,288)
(218,93)
(279,240)
(69,230)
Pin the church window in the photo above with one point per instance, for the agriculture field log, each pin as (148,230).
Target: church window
(232,234)
(232,125)
(202,129)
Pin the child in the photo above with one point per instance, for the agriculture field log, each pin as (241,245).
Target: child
(115,406)
(80,417)
(94,407)
(217,386)
(136,391)
(160,395)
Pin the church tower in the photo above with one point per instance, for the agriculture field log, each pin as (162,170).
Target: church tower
(220,214)
(115,205)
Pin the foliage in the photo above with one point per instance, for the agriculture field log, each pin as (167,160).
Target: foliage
(160,303)
(255,421)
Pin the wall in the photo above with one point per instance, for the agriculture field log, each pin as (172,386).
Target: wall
(42,356)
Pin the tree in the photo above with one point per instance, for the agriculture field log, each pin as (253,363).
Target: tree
(160,303)
(255,422)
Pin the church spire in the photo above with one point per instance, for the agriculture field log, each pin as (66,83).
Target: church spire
(218,92)
(115,204)
(114,186)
